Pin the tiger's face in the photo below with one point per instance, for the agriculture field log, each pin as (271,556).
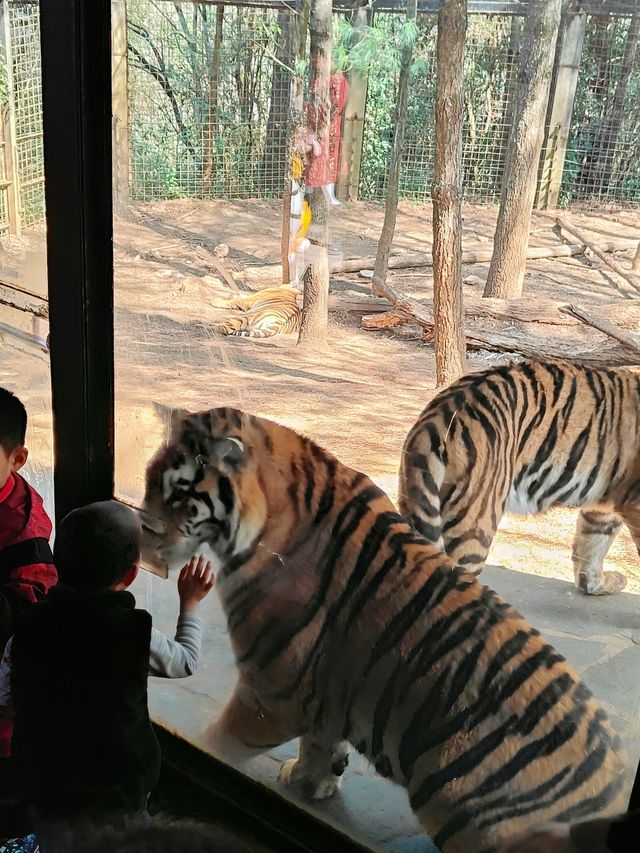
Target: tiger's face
(202,488)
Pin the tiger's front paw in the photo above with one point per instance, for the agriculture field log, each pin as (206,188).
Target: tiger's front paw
(291,773)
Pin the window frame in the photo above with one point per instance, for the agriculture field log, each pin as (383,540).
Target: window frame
(76,68)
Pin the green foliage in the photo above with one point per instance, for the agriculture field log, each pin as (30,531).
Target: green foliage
(170,118)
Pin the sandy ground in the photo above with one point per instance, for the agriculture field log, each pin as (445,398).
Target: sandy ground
(358,398)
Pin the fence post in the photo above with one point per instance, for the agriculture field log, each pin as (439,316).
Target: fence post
(120,108)
(353,126)
(571,38)
(9,120)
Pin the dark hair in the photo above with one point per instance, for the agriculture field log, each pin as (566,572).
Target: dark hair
(13,420)
(96,545)
(140,835)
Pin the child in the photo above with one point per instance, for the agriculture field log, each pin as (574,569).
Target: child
(26,564)
(75,674)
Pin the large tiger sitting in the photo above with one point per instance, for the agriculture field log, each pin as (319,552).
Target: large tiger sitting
(272,311)
(522,438)
(347,626)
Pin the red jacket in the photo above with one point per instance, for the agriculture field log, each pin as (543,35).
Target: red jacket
(27,571)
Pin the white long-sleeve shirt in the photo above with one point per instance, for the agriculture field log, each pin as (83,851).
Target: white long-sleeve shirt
(175,658)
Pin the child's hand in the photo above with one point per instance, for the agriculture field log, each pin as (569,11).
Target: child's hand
(194,583)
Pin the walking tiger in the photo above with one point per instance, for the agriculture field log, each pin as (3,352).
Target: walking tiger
(268,312)
(523,438)
(349,628)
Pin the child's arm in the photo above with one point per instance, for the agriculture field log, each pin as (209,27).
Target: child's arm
(179,657)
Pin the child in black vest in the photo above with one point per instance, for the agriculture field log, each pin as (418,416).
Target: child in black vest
(78,663)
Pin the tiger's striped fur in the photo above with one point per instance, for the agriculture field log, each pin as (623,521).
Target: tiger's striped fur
(272,311)
(522,438)
(348,627)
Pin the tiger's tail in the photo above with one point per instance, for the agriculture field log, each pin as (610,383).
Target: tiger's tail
(422,472)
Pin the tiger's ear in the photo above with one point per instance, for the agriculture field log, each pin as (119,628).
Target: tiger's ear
(172,417)
(228,451)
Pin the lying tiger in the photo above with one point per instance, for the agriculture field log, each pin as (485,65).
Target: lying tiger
(272,311)
(522,438)
(347,626)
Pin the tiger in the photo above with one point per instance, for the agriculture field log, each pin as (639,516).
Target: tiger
(268,312)
(522,438)
(350,629)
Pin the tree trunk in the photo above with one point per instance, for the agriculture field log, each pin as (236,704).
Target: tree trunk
(446,190)
(393,182)
(506,272)
(315,305)
(607,138)
(274,163)
(211,120)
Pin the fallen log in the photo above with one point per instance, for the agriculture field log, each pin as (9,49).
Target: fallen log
(533,310)
(270,274)
(475,255)
(516,334)
(631,342)
(599,253)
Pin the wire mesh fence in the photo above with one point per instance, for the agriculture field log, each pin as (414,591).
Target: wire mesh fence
(603,155)
(490,67)
(208,100)
(22,166)
(207,89)
(24,19)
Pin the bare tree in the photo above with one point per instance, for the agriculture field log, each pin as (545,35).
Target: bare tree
(506,272)
(315,310)
(446,191)
(393,181)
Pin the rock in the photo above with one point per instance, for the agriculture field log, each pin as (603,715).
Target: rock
(221,250)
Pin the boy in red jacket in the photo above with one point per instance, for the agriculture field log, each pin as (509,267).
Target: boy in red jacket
(27,570)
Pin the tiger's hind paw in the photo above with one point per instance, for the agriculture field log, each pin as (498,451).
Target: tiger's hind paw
(314,789)
(612,583)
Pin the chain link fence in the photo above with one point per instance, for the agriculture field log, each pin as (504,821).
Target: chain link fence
(22,166)
(206,90)
(603,154)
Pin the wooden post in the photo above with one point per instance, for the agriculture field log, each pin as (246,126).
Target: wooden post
(120,99)
(14,211)
(571,38)
(348,181)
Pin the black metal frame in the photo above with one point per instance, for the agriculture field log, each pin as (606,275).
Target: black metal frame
(76,97)
(76,64)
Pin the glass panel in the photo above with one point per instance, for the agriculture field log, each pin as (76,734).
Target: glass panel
(24,360)
(211,106)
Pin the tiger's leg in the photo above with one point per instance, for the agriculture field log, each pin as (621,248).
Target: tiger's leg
(595,531)
(468,536)
(238,303)
(318,769)
(245,728)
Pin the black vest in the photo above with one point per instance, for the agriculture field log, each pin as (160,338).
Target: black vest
(82,738)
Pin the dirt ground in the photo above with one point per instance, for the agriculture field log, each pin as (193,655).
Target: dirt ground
(358,398)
